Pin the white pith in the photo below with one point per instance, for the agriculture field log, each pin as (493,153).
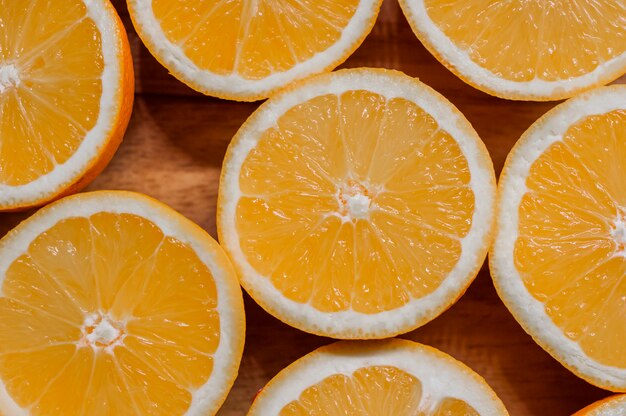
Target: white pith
(101,332)
(441,375)
(537,88)
(9,77)
(618,232)
(358,206)
(354,201)
(528,310)
(614,407)
(64,174)
(206,398)
(104,333)
(349,323)
(175,59)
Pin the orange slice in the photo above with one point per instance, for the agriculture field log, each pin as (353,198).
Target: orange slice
(66,94)
(559,258)
(111,303)
(525,50)
(357,205)
(612,406)
(246,50)
(383,378)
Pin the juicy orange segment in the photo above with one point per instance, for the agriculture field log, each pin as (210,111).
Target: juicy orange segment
(572,240)
(525,40)
(45,111)
(321,201)
(52,67)
(453,407)
(525,49)
(244,50)
(337,380)
(89,274)
(356,201)
(559,258)
(368,391)
(371,391)
(110,311)
(253,38)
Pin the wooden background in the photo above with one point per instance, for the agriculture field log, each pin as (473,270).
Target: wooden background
(173,151)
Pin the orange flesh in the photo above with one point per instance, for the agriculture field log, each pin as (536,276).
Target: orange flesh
(55,101)
(253,38)
(373,391)
(522,40)
(294,218)
(152,288)
(572,242)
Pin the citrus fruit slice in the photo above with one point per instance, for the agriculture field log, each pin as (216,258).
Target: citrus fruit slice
(524,50)
(559,258)
(358,204)
(377,378)
(66,94)
(246,50)
(612,406)
(111,303)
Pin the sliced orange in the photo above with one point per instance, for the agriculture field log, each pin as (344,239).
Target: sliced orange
(66,94)
(559,259)
(111,303)
(381,378)
(525,50)
(611,406)
(358,204)
(246,50)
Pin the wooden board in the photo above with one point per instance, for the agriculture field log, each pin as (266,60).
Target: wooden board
(173,151)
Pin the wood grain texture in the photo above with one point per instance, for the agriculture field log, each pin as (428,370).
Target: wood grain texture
(173,151)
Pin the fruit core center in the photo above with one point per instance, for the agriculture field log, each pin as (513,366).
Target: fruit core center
(354,201)
(9,77)
(101,331)
(618,232)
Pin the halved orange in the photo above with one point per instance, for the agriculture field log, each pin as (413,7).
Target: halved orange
(246,50)
(358,204)
(611,406)
(66,94)
(381,378)
(111,303)
(559,258)
(525,50)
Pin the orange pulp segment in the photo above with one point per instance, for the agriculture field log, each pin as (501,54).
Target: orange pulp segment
(107,315)
(354,201)
(253,38)
(571,249)
(372,391)
(51,69)
(526,40)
